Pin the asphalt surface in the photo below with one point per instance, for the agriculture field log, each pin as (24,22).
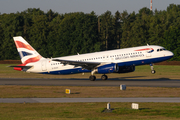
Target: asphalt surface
(75,100)
(86,82)
(162,82)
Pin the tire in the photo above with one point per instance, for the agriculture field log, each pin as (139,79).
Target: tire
(92,78)
(153,71)
(104,77)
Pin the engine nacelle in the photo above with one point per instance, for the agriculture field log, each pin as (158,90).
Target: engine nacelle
(108,68)
(126,69)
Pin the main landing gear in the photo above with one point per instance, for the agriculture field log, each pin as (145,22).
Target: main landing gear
(104,77)
(152,69)
(93,78)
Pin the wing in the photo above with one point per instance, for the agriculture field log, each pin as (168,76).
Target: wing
(85,65)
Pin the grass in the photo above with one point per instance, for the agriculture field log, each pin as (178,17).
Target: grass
(141,72)
(89,111)
(14,91)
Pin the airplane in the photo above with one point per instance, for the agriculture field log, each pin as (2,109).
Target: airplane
(112,61)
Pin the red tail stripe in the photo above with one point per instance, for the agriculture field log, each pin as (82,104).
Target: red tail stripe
(35,59)
(19,69)
(22,45)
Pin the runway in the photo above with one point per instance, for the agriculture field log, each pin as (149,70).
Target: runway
(86,82)
(77,100)
(162,82)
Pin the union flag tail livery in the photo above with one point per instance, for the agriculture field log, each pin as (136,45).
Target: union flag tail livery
(112,61)
(26,52)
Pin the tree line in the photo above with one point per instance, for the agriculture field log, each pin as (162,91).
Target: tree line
(53,34)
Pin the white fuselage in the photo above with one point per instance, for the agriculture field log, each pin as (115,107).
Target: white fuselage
(123,57)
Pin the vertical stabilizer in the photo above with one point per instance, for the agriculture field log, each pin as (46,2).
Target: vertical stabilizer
(26,52)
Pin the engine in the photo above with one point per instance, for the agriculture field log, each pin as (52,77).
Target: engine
(126,69)
(108,68)
(114,68)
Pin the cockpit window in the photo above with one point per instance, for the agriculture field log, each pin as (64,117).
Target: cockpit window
(164,49)
(161,49)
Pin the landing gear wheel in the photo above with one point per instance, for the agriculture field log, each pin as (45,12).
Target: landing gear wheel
(153,71)
(92,78)
(104,77)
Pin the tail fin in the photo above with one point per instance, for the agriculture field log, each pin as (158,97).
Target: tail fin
(26,52)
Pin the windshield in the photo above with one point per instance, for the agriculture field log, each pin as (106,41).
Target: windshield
(161,49)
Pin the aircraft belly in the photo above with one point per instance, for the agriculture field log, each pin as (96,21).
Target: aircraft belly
(67,71)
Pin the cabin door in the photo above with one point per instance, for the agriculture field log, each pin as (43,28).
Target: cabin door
(43,66)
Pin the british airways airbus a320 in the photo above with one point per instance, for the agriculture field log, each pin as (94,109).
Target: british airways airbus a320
(112,61)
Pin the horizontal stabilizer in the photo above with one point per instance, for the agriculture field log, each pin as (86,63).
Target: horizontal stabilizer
(26,67)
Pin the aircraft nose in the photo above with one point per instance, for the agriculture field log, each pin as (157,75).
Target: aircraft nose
(171,54)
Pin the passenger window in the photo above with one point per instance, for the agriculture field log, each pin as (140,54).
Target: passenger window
(157,50)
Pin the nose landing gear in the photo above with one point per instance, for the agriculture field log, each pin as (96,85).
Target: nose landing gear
(152,69)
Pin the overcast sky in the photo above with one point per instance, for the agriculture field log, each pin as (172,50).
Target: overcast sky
(86,6)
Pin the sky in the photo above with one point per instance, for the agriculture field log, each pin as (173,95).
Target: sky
(86,6)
